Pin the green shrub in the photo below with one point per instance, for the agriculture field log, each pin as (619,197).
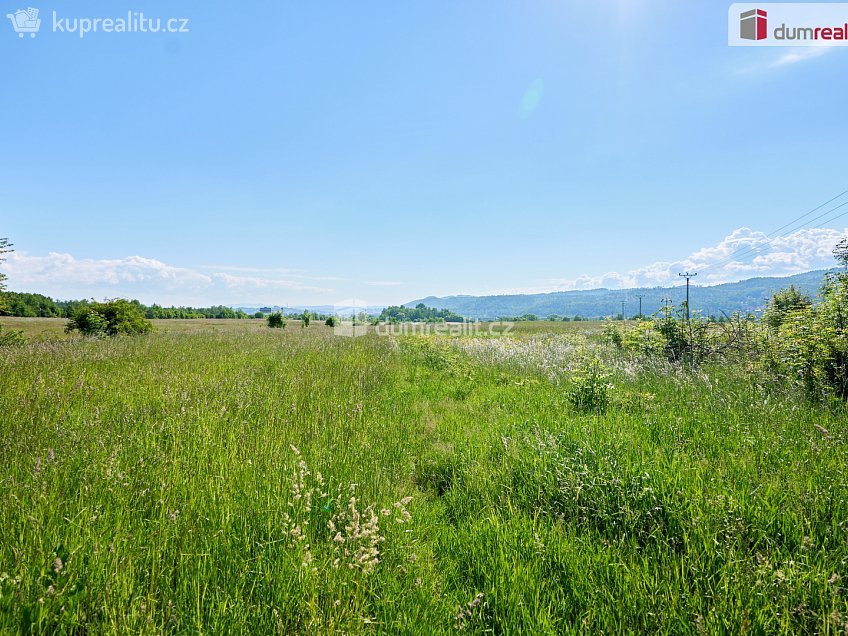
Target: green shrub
(809,345)
(9,338)
(304,321)
(111,318)
(612,333)
(590,389)
(644,338)
(276,320)
(782,304)
(88,322)
(331,321)
(675,335)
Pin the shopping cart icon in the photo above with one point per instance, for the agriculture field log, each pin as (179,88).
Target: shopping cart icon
(25,21)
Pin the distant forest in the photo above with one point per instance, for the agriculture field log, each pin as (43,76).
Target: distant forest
(419,313)
(39,306)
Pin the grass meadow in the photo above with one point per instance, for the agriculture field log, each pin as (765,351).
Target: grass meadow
(221,477)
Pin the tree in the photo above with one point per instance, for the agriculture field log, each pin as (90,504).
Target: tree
(304,321)
(331,321)
(5,248)
(419,313)
(276,320)
(32,306)
(809,345)
(110,318)
(7,337)
(259,314)
(782,303)
(840,252)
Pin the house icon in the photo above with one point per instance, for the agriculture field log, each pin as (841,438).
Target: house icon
(753,25)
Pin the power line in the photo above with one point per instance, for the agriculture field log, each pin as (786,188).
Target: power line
(838,216)
(748,250)
(807,214)
(752,249)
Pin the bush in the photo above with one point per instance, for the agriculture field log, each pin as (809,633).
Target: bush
(304,322)
(613,334)
(590,389)
(111,318)
(782,304)
(9,338)
(276,320)
(331,321)
(88,322)
(809,346)
(664,336)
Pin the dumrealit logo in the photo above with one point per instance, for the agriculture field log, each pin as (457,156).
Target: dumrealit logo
(753,24)
(788,24)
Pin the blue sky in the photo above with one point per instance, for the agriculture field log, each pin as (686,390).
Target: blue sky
(304,153)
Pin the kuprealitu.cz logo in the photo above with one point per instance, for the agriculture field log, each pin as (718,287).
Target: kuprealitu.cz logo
(28,22)
(25,22)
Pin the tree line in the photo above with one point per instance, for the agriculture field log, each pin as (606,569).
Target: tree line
(419,313)
(26,305)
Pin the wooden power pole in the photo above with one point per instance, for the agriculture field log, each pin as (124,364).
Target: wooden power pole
(687,276)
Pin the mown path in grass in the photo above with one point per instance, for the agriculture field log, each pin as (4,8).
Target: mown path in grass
(151,484)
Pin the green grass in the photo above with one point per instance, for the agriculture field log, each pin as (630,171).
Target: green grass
(149,485)
(41,329)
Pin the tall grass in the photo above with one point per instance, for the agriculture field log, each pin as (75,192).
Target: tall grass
(250,481)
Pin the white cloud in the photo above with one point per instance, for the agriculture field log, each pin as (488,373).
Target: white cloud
(800,55)
(57,268)
(255,282)
(291,273)
(778,59)
(63,276)
(744,253)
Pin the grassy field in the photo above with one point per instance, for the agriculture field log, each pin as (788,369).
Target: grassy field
(41,329)
(222,477)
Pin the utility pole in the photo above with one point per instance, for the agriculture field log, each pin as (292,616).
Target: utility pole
(667,301)
(639,296)
(687,276)
(622,310)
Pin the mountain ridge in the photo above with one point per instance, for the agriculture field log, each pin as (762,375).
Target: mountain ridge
(749,295)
